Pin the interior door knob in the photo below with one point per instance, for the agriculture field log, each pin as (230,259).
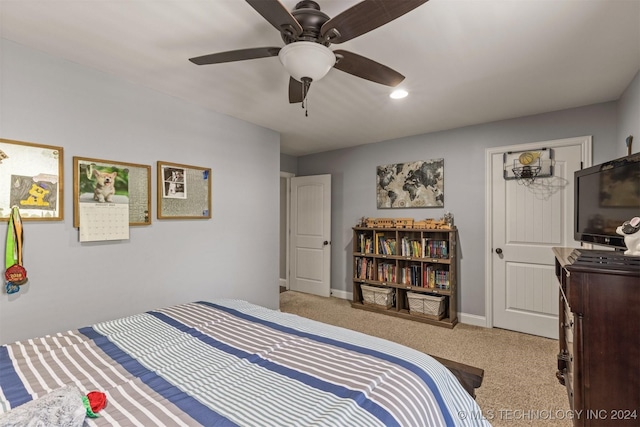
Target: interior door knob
(498,251)
(325,243)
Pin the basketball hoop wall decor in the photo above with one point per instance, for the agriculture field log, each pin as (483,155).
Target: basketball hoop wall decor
(526,166)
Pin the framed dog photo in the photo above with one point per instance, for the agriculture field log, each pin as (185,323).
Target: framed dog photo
(112,185)
(33,175)
(184,192)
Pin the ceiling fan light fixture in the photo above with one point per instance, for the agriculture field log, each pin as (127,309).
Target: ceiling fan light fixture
(398,94)
(307,59)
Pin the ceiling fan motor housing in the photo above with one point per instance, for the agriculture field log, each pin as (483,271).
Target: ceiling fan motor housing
(311,19)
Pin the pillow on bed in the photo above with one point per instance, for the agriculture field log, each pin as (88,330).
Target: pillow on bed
(63,407)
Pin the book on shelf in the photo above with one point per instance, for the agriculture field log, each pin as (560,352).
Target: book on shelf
(435,248)
(410,247)
(364,268)
(385,245)
(410,275)
(387,272)
(365,244)
(435,278)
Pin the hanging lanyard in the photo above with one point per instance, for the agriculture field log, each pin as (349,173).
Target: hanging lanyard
(15,274)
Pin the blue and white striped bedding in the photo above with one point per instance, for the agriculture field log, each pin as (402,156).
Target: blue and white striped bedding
(229,362)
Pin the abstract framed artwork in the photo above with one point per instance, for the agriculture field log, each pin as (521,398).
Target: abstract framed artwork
(418,184)
(33,175)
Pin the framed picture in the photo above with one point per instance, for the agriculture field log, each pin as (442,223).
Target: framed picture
(174,186)
(184,192)
(410,185)
(33,175)
(112,183)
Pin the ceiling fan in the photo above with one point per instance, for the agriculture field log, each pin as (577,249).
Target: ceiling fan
(308,32)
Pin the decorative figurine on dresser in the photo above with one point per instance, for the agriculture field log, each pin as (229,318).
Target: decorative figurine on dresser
(599,340)
(630,230)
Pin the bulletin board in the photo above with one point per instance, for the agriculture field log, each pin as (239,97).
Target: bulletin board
(33,175)
(184,192)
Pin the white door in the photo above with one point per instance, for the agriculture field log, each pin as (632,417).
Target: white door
(526,222)
(311,235)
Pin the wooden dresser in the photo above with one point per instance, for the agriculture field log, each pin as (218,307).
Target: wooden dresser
(599,323)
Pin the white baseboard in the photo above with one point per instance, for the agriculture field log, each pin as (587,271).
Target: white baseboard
(472,319)
(341,294)
(283,283)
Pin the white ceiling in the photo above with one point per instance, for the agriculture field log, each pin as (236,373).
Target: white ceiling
(465,61)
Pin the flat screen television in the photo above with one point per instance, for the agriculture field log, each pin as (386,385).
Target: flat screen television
(606,196)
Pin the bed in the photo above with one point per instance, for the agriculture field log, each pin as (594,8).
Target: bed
(230,362)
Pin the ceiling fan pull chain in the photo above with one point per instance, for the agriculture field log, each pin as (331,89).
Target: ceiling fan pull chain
(306,84)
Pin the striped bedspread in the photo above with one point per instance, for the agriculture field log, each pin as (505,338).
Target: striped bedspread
(229,362)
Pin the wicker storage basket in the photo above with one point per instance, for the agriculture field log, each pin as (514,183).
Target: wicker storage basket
(425,304)
(377,296)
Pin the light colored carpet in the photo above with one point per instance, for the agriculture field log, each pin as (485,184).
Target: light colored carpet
(519,388)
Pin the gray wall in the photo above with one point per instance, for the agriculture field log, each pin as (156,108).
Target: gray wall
(629,116)
(50,101)
(353,179)
(288,163)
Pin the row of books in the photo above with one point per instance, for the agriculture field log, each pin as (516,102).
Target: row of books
(364,244)
(387,272)
(436,279)
(412,248)
(410,275)
(430,277)
(425,248)
(435,249)
(386,245)
(413,275)
(365,268)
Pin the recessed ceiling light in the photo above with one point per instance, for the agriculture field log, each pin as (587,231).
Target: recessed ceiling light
(399,94)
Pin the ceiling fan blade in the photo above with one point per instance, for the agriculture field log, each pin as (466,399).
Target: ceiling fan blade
(296,90)
(236,55)
(277,15)
(366,68)
(364,17)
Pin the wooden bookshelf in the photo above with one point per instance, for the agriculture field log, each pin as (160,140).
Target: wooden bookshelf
(406,260)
